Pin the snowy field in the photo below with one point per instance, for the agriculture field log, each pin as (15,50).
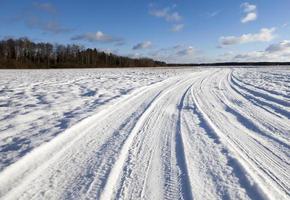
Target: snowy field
(202,133)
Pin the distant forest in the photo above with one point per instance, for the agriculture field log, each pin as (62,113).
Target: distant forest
(230,64)
(22,53)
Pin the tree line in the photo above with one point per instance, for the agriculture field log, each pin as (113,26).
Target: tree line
(24,53)
(230,64)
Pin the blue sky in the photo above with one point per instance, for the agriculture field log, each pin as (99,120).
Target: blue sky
(172,31)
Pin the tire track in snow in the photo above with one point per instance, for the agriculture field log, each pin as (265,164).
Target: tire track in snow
(210,168)
(109,190)
(250,154)
(266,150)
(262,103)
(180,152)
(145,151)
(260,124)
(119,164)
(273,99)
(254,190)
(264,91)
(27,168)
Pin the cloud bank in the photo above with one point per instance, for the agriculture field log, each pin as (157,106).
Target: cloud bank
(177,27)
(169,14)
(265,35)
(142,45)
(278,52)
(250,11)
(178,54)
(99,36)
(166,13)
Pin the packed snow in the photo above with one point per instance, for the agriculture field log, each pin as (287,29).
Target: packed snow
(162,133)
(36,105)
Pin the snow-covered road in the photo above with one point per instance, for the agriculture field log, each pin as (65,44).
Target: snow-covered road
(188,134)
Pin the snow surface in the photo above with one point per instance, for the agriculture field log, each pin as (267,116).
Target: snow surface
(203,133)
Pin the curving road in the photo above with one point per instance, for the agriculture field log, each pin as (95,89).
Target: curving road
(209,134)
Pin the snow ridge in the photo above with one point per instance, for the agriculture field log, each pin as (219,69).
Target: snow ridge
(192,134)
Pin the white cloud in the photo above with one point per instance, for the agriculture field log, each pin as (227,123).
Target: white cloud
(225,57)
(254,56)
(177,27)
(178,54)
(282,47)
(167,13)
(98,36)
(285,25)
(279,52)
(250,11)
(262,56)
(264,35)
(185,52)
(142,45)
(249,7)
(249,17)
